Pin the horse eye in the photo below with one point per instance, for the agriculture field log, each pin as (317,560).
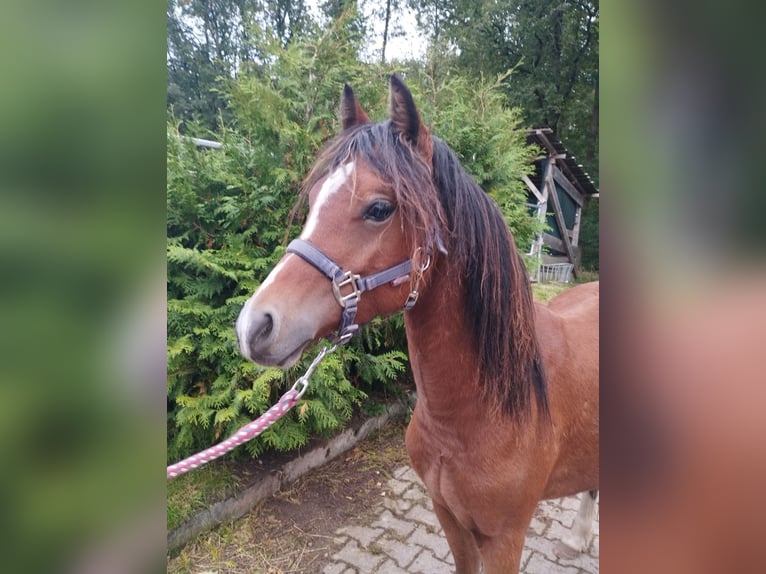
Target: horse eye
(379,210)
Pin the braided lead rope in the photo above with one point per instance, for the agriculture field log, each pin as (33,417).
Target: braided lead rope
(253,429)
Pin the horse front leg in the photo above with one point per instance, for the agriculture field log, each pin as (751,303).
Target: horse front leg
(461,542)
(502,554)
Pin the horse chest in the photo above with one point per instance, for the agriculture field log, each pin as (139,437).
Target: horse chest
(445,481)
(460,478)
(429,450)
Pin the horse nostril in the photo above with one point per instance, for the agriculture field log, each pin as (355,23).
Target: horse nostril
(267,327)
(261,329)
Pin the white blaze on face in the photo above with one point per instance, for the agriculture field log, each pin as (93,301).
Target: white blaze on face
(243,320)
(333,183)
(329,187)
(274,272)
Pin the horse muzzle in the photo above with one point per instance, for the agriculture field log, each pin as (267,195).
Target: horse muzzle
(262,338)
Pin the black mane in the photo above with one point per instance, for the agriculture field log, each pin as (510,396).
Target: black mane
(441,205)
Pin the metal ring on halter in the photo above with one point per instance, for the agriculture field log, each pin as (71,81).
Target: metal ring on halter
(412,298)
(427,264)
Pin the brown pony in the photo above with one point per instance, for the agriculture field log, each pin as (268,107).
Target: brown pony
(507,409)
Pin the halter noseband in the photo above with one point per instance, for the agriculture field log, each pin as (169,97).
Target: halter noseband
(344,280)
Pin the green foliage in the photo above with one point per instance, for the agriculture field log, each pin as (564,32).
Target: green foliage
(589,236)
(227,216)
(552,46)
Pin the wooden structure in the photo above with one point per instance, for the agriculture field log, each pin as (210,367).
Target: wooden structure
(558,192)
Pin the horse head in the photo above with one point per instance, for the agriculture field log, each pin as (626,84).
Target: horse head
(364,247)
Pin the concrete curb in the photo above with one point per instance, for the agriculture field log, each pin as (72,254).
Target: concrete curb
(242,503)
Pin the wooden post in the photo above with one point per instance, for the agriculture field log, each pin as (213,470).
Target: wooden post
(542,213)
(559,216)
(533,189)
(561,179)
(576,228)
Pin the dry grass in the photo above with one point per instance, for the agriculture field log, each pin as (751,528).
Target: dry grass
(293,532)
(195,491)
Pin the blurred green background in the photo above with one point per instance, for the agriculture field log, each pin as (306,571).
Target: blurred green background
(82,222)
(82,170)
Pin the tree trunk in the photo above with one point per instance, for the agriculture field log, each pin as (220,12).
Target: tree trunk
(590,155)
(385,32)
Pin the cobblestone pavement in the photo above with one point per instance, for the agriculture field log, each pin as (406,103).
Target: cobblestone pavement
(405,537)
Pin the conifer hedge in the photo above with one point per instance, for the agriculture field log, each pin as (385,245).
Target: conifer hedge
(227,216)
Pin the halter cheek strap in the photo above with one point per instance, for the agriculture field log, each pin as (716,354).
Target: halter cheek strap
(347,286)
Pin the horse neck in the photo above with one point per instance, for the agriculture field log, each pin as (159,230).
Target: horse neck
(442,355)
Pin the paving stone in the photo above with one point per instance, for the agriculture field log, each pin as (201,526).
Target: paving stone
(410,475)
(398,486)
(352,554)
(434,542)
(390,567)
(388,521)
(583,562)
(415,493)
(405,537)
(542,545)
(364,535)
(401,471)
(402,553)
(397,505)
(570,502)
(425,516)
(427,563)
(525,554)
(538,526)
(553,510)
(335,568)
(538,564)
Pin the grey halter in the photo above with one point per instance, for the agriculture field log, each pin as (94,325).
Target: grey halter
(346,280)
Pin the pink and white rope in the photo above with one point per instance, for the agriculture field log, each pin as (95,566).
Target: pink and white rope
(246,433)
(253,429)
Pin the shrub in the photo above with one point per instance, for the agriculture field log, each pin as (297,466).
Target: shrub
(227,212)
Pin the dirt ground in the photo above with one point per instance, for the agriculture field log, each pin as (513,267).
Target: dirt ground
(292,532)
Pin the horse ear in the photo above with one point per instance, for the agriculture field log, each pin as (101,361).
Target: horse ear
(351,113)
(406,120)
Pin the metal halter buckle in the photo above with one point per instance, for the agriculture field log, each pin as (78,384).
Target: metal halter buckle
(351,280)
(412,298)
